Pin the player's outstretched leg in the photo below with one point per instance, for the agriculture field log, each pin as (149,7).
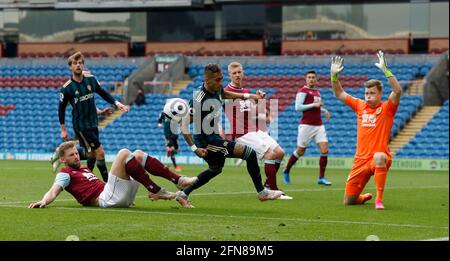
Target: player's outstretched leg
(155,167)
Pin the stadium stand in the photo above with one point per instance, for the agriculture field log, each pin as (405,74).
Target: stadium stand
(282,81)
(21,84)
(432,140)
(29,100)
(53,73)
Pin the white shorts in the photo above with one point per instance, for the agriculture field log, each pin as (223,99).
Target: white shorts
(260,141)
(118,192)
(308,132)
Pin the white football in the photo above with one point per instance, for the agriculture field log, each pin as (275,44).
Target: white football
(175,109)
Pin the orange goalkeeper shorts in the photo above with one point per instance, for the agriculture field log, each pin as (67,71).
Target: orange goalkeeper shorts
(360,174)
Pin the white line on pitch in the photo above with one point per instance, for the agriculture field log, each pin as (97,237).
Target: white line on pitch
(246,192)
(301,220)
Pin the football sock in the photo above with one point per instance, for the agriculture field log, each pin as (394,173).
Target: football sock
(249,155)
(134,168)
(91,163)
(101,165)
(203,178)
(271,172)
(294,157)
(323,164)
(380,181)
(155,167)
(277,165)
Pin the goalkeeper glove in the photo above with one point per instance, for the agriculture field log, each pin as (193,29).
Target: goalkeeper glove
(336,67)
(382,64)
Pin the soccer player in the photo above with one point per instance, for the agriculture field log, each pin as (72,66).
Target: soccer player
(309,102)
(245,128)
(81,151)
(79,91)
(171,139)
(205,113)
(375,120)
(127,171)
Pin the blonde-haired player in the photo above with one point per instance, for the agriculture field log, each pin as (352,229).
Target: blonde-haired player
(244,116)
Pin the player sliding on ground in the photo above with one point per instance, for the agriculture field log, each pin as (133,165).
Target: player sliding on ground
(127,171)
(375,119)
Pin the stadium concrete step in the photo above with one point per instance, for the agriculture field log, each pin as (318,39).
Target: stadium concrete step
(179,85)
(416,123)
(118,89)
(116,114)
(416,87)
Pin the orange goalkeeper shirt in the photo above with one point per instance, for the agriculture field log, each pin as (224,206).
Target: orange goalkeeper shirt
(374,126)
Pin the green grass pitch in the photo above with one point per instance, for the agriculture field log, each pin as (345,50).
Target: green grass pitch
(227,209)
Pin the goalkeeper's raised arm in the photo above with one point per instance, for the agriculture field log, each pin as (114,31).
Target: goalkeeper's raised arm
(395,85)
(336,68)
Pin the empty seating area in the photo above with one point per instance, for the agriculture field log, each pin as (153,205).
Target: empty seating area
(138,128)
(55,72)
(4,109)
(26,127)
(282,82)
(432,140)
(29,94)
(34,126)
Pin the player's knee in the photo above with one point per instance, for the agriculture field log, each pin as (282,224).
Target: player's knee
(269,155)
(138,154)
(279,153)
(380,158)
(300,152)
(123,153)
(349,200)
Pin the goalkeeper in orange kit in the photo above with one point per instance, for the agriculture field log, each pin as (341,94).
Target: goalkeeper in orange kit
(375,120)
